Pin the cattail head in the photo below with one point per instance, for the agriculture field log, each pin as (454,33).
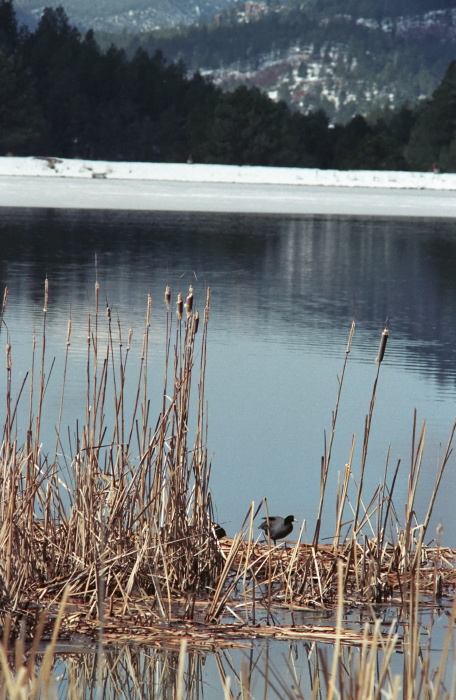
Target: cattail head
(149,309)
(5,299)
(108,313)
(196,319)
(179,306)
(8,356)
(69,331)
(189,302)
(382,347)
(167,296)
(46,295)
(350,337)
(208,304)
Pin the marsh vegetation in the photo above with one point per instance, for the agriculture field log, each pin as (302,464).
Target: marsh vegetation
(111,535)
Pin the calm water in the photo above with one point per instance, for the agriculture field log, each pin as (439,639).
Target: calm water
(136,673)
(284,292)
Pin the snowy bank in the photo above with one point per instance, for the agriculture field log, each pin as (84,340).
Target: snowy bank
(196,172)
(56,183)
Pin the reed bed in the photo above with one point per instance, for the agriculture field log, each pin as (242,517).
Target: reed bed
(120,525)
(128,509)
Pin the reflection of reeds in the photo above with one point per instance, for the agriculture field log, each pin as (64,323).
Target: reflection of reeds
(35,677)
(350,666)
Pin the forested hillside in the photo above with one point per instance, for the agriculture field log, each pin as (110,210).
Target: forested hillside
(128,15)
(132,16)
(61,95)
(374,8)
(343,56)
(343,63)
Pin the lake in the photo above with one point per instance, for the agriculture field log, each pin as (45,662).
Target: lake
(285,290)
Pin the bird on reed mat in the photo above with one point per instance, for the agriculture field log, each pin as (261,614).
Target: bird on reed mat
(277,527)
(218,531)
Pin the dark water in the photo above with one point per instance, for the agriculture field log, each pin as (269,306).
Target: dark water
(284,293)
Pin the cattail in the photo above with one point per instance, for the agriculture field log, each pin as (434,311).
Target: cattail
(196,319)
(208,303)
(97,292)
(179,306)
(108,313)
(350,338)
(167,296)
(189,301)
(149,309)
(130,333)
(8,356)
(46,295)
(69,331)
(382,347)
(5,299)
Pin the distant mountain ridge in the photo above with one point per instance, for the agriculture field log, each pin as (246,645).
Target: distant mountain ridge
(134,16)
(130,16)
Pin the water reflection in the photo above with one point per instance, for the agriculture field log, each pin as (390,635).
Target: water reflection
(254,668)
(135,673)
(284,291)
(312,272)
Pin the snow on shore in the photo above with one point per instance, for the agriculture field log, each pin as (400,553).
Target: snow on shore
(58,183)
(186,172)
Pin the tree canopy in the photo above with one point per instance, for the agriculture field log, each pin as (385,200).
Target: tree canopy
(61,95)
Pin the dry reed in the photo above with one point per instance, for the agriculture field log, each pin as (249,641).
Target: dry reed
(134,511)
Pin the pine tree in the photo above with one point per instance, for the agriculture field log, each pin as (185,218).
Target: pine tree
(435,128)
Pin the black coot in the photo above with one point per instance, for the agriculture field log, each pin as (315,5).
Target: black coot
(277,527)
(218,531)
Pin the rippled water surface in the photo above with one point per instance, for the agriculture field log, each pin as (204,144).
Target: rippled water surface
(284,293)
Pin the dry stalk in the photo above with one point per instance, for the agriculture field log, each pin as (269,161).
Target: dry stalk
(326,459)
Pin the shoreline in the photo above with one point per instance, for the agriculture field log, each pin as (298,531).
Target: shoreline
(40,166)
(81,184)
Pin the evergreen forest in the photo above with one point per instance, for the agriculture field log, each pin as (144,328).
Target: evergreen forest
(62,95)
(228,40)
(311,54)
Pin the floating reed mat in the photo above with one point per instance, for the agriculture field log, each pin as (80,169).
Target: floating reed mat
(139,626)
(208,638)
(311,572)
(118,518)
